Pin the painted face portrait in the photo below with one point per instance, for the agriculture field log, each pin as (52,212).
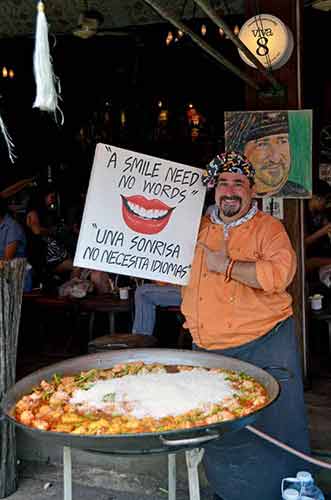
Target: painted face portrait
(271,157)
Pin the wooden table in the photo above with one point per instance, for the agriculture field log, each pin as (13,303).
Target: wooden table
(109,304)
(91,304)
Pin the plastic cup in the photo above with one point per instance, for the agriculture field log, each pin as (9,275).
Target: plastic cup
(316,302)
(124,293)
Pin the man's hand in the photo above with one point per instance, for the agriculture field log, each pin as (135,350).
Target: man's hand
(325,230)
(217,260)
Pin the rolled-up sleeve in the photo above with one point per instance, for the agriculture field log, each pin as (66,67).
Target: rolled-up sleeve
(277,266)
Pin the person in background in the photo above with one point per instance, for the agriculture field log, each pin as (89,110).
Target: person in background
(13,240)
(318,229)
(12,236)
(46,253)
(99,279)
(236,305)
(147,297)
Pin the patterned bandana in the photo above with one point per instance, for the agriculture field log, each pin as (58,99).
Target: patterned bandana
(215,218)
(232,162)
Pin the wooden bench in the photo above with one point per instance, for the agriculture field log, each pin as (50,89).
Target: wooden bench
(121,341)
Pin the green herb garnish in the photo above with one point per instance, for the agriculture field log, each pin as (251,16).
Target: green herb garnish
(87,377)
(57,378)
(110,397)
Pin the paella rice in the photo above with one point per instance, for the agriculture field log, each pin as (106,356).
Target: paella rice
(139,398)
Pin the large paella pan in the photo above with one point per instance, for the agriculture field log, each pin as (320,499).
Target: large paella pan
(140,442)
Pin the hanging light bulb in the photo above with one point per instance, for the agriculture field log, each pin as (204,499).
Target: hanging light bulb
(169,38)
(203,30)
(180,33)
(236,30)
(163,116)
(160,104)
(4,72)
(221,31)
(123,118)
(11,73)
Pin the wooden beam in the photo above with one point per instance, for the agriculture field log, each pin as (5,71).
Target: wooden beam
(202,44)
(290,76)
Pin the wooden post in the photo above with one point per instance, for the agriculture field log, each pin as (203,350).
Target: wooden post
(289,76)
(11,290)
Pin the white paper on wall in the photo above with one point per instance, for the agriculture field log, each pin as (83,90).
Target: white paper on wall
(274,206)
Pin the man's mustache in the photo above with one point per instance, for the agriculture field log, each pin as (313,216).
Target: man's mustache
(230,198)
(272,164)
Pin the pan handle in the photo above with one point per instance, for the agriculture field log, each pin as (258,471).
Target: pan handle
(287,374)
(189,441)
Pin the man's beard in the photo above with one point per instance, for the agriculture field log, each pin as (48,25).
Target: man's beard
(230,211)
(271,177)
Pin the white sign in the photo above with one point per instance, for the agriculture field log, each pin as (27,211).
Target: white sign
(269,39)
(141,216)
(274,207)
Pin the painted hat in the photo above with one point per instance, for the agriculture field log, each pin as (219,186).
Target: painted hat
(231,161)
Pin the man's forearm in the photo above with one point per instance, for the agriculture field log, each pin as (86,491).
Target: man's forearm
(245,272)
(309,240)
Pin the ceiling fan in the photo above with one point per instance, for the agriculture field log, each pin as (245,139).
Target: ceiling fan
(89,22)
(324,5)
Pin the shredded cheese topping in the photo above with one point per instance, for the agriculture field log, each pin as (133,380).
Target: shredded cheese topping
(156,395)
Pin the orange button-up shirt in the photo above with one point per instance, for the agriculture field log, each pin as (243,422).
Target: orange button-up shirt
(220,315)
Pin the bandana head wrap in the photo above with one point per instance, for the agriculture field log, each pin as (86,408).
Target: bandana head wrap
(232,162)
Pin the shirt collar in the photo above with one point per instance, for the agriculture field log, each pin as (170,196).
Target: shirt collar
(215,218)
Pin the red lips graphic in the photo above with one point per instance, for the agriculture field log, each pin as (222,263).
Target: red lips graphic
(145,216)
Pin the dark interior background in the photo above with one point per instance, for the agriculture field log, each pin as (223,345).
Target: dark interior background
(105,76)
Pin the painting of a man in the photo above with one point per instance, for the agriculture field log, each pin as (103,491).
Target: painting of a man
(266,139)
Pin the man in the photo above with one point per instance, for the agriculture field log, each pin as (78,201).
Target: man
(264,140)
(236,305)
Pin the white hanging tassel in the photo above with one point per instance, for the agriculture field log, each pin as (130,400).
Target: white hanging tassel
(46,94)
(9,141)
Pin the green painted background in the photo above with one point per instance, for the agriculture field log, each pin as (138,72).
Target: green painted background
(300,136)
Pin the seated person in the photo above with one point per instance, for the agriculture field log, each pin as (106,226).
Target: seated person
(12,240)
(12,236)
(99,279)
(146,298)
(46,253)
(318,233)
